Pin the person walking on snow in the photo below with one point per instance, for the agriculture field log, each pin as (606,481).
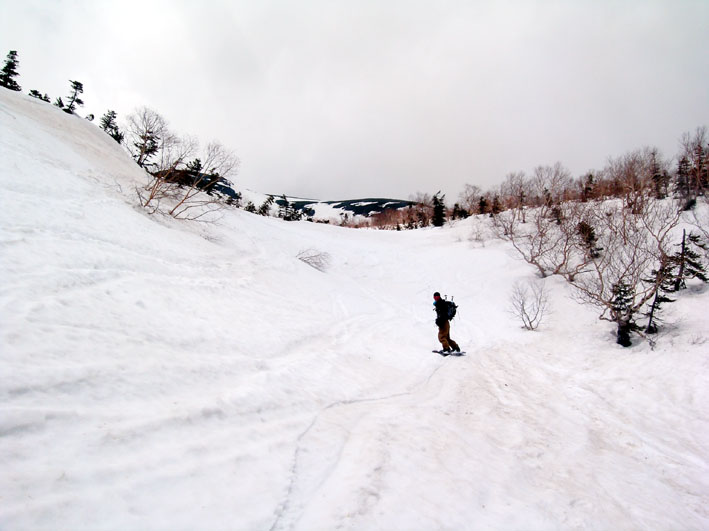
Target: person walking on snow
(444,325)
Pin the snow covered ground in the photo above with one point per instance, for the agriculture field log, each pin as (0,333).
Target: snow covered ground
(159,374)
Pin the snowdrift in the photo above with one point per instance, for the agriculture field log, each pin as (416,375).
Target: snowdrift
(160,374)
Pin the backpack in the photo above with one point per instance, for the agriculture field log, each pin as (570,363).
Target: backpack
(451,308)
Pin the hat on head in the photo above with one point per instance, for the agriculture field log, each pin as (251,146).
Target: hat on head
(436,294)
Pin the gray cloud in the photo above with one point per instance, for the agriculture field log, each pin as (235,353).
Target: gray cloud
(336,99)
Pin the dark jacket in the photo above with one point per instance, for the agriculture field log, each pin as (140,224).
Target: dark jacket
(441,307)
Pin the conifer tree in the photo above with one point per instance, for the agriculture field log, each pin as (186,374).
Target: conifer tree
(587,188)
(74,100)
(108,124)
(683,185)
(482,205)
(439,210)
(496,208)
(589,239)
(59,103)
(662,278)
(195,166)
(37,94)
(265,207)
(9,72)
(459,212)
(285,210)
(688,261)
(660,178)
(622,312)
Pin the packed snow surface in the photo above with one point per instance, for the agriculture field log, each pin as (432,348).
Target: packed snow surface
(163,374)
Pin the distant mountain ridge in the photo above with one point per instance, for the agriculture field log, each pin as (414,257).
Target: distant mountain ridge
(355,207)
(329,209)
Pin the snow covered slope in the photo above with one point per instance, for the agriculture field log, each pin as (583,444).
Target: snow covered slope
(159,374)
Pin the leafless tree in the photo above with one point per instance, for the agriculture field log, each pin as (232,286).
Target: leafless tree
(553,246)
(696,151)
(421,213)
(147,134)
(175,152)
(219,162)
(550,185)
(515,191)
(178,192)
(469,198)
(634,244)
(630,176)
(529,302)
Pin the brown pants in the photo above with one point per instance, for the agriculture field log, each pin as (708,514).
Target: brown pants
(444,336)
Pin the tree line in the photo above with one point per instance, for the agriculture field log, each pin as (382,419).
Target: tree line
(9,73)
(633,177)
(187,181)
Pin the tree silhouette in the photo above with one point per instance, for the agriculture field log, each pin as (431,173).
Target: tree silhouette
(9,72)
(74,100)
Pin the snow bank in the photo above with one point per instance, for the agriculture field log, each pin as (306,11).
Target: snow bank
(159,374)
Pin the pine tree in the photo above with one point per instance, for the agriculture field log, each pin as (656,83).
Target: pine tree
(688,261)
(459,212)
(9,71)
(662,278)
(622,312)
(660,178)
(589,239)
(439,210)
(37,94)
(59,103)
(108,124)
(74,100)
(265,207)
(496,208)
(700,171)
(147,144)
(195,166)
(588,188)
(285,210)
(482,205)
(683,185)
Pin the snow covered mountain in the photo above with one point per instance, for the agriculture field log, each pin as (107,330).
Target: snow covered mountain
(162,374)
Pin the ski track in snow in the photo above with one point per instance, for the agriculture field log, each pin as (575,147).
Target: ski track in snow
(183,376)
(335,453)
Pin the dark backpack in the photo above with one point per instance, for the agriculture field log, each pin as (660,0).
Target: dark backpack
(451,308)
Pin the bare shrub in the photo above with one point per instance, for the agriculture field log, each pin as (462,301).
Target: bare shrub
(550,241)
(316,259)
(529,302)
(187,193)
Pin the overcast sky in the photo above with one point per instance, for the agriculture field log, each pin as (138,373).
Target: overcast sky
(360,98)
